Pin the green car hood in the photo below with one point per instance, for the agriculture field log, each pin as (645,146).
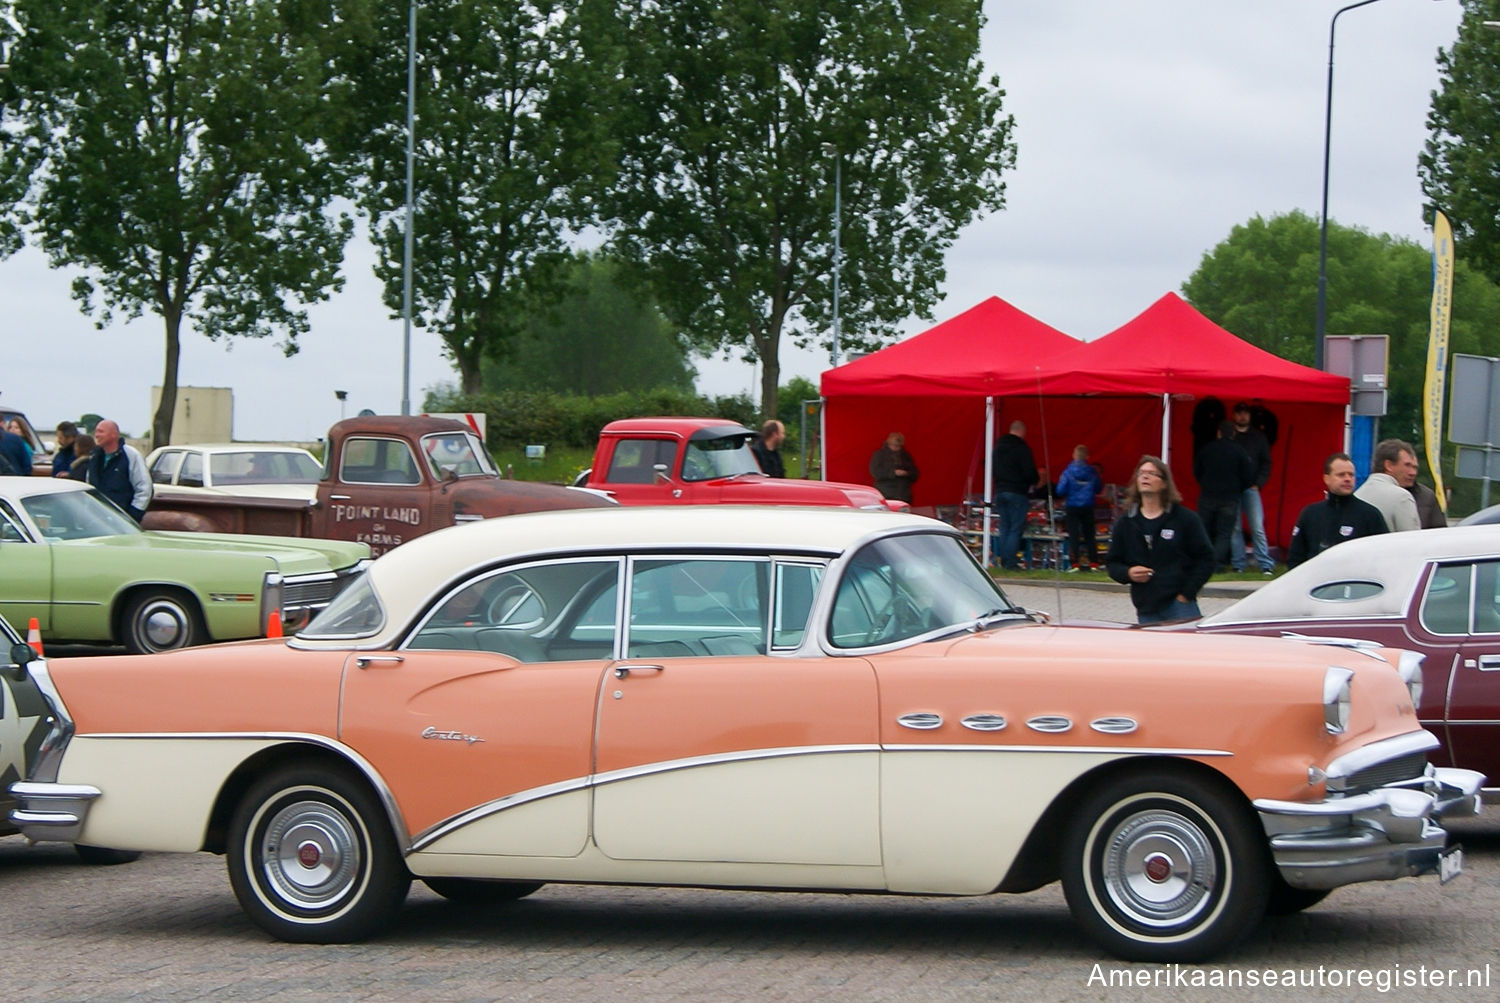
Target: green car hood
(293,556)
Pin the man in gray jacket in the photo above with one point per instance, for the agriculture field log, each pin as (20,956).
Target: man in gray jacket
(1393,460)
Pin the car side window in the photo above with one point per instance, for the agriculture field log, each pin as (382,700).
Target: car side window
(634,460)
(1446,601)
(165,467)
(520,612)
(1487,598)
(689,607)
(11,527)
(192,471)
(796,585)
(378,461)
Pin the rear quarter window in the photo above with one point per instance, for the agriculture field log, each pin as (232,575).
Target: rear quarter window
(1346,591)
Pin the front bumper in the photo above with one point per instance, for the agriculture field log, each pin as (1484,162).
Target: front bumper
(1378,835)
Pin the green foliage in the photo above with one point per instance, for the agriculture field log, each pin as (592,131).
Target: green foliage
(599,339)
(1457,166)
(173,151)
(723,197)
(1261,284)
(501,146)
(522,417)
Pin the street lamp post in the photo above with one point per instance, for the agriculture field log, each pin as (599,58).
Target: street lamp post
(411,117)
(1322,324)
(838,254)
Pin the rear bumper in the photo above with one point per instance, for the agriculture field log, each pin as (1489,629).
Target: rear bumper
(53,812)
(1379,835)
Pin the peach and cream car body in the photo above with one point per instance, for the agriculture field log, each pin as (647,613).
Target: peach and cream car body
(773,698)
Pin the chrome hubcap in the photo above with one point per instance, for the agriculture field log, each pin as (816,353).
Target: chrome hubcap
(310,854)
(1159,868)
(162,626)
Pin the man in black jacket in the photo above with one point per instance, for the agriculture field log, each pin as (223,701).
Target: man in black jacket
(1337,518)
(1252,508)
(1013,474)
(1223,471)
(767,448)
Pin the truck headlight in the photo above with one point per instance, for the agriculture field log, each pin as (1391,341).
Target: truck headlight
(1336,699)
(1410,668)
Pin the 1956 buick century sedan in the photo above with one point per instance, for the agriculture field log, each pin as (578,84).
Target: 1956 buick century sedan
(749,698)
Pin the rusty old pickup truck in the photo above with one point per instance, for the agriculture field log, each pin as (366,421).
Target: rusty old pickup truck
(386,480)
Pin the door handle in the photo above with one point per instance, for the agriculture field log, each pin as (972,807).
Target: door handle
(366,661)
(338,497)
(624,671)
(1489,663)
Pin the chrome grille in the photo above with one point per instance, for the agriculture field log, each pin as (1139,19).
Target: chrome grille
(1389,772)
(312,592)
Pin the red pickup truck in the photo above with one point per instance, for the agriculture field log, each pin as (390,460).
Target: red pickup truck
(385,480)
(704,461)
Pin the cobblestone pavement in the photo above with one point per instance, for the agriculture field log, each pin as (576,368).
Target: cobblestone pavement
(167,927)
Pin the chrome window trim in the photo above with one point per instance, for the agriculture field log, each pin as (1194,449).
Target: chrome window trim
(1425,583)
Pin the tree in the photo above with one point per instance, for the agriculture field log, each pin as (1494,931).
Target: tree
(501,144)
(171,150)
(1261,284)
(1457,166)
(600,339)
(723,198)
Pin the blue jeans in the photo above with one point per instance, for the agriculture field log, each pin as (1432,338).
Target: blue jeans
(1255,515)
(1010,511)
(1175,610)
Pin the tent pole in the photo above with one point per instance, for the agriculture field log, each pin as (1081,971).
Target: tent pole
(989,459)
(822,438)
(1166,430)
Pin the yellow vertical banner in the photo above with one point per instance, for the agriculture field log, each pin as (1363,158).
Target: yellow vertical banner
(1436,383)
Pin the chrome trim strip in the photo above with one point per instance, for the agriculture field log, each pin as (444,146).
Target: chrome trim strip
(387,799)
(1114,750)
(744,756)
(55,742)
(1114,725)
(1374,753)
(1050,724)
(438,830)
(921,721)
(984,722)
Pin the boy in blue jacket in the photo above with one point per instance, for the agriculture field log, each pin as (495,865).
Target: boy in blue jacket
(1079,484)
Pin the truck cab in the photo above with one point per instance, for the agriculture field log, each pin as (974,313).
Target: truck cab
(704,461)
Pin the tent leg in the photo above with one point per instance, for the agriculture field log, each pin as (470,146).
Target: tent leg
(989,459)
(1166,430)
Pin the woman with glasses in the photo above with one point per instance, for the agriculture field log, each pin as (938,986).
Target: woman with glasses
(1159,547)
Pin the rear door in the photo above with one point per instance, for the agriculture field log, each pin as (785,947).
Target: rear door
(25,573)
(1461,604)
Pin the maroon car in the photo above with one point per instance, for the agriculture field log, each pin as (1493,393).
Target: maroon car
(1435,592)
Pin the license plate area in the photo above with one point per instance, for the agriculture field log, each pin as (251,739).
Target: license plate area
(1450,864)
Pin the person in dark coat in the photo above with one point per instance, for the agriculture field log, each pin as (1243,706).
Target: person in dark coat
(1158,547)
(893,470)
(1013,474)
(1224,473)
(1252,506)
(1338,517)
(15,457)
(767,448)
(65,454)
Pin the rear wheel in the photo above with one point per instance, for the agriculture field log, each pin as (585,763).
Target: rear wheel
(161,621)
(312,859)
(1164,868)
(477,891)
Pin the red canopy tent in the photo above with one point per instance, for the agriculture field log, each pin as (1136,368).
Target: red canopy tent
(933,389)
(1131,392)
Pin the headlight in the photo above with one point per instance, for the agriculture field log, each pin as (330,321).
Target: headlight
(1336,699)
(1410,669)
(270,600)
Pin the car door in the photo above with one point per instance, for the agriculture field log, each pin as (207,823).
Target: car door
(482,721)
(633,477)
(712,747)
(1473,692)
(380,497)
(25,573)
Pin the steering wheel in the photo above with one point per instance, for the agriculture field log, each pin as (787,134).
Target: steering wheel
(900,618)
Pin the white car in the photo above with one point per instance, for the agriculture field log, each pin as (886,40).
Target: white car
(246,469)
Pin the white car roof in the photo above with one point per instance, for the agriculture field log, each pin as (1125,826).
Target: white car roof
(412,573)
(232,447)
(30,487)
(1394,560)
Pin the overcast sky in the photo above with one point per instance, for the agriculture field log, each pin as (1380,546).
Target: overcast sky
(1146,130)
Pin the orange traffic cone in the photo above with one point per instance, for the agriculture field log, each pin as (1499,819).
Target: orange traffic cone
(273,626)
(34,636)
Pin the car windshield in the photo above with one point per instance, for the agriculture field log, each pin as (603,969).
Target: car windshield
(456,454)
(258,466)
(354,612)
(905,586)
(729,456)
(78,515)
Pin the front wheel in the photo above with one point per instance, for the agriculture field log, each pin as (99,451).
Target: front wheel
(161,621)
(312,859)
(1164,868)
